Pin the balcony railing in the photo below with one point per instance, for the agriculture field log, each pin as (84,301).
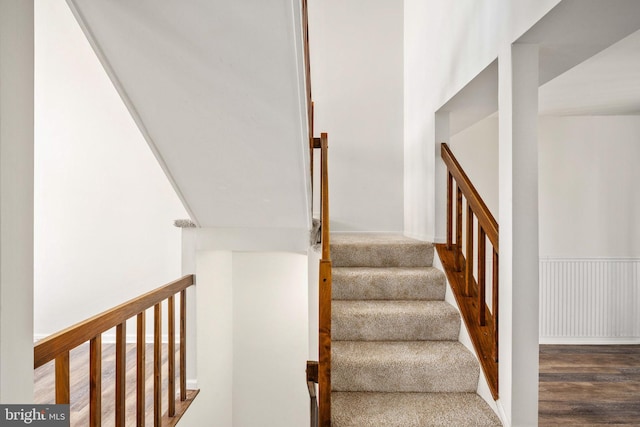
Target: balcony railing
(58,346)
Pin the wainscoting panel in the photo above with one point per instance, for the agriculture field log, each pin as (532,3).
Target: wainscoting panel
(589,301)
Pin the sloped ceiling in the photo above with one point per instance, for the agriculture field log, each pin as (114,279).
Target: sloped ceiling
(589,64)
(606,84)
(217,90)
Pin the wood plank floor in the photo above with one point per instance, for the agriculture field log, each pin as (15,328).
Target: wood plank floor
(79,367)
(589,385)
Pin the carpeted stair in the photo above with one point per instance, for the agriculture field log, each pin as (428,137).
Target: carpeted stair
(396,359)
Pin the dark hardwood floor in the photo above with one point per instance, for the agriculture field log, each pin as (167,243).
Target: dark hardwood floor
(579,385)
(589,385)
(44,386)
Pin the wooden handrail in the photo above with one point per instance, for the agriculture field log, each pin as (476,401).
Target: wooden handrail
(51,347)
(480,209)
(470,294)
(322,369)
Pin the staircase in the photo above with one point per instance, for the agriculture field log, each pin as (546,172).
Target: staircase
(396,359)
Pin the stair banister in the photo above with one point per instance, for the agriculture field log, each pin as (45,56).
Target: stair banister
(57,347)
(470,294)
(319,372)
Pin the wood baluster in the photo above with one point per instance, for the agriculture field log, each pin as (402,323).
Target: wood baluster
(183,345)
(449,209)
(458,248)
(469,254)
(496,275)
(62,379)
(157,365)
(482,273)
(141,344)
(121,383)
(171,357)
(95,381)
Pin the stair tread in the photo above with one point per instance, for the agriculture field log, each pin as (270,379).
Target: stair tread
(388,283)
(374,239)
(360,409)
(408,366)
(394,320)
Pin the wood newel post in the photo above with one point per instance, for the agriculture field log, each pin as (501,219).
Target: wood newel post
(482,273)
(324,365)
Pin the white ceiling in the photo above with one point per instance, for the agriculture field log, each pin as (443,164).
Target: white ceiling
(605,84)
(217,90)
(589,64)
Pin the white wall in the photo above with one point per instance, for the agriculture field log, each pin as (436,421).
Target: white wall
(214,403)
(589,197)
(270,349)
(589,200)
(476,149)
(16,201)
(589,233)
(589,237)
(103,207)
(446,45)
(357,78)
(252,340)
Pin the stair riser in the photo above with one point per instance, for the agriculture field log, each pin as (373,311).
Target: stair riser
(388,284)
(427,366)
(349,255)
(396,377)
(411,410)
(395,326)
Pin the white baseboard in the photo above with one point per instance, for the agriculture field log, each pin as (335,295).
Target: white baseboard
(366,232)
(502,414)
(192,384)
(418,236)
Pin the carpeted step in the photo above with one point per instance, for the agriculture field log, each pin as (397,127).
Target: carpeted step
(379,250)
(399,283)
(415,366)
(394,321)
(353,409)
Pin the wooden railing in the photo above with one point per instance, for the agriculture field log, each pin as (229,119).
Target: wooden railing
(58,346)
(470,290)
(319,372)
